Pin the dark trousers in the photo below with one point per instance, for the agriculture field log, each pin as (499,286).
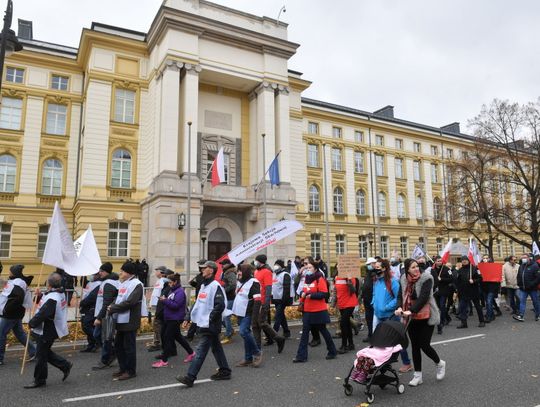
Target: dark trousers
(302,352)
(45,355)
(192,330)
(441,303)
(280,320)
(259,322)
(87,324)
(345,326)
(126,351)
(170,334)
(464,309)
(369,318)
(513,299)
(420,333)
(208,342)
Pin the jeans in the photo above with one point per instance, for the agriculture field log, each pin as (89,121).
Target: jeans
(45,355)
(227,321)
(250,346)
(490,298)
(523,294)
(87,323)
(513,298)
(403,352)
(280,320)
(126,351)
(302,352)
(207,342)
(464,309)
(14,325)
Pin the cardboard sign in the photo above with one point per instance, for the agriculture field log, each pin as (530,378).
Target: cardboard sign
(491,272)
(349,266)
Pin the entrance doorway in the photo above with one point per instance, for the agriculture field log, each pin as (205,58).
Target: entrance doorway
(219,243)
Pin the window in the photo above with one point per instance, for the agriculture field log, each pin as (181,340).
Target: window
(313,128)
(315,245)
(121,169)
(399,144)
(384,247)
(401,209)
(51,181)
(434,150)
(118,239)
(8,171)
(124,106)
(313,155)
(59,82)
(363,247)
(15,75)
(336,159)
(512,248)
(499,249)
(379,165)
(340,244)
(56,119)
(358,161)
(360,203)
(43,232)
(416,170)
(381,202)
(5,239)
(314,199)
(417,148)
(437,209)
(210,157)
(336,132)
(379,140)
(419,209)
(359,136)
(398,166)
(338,201)
(449,153)
(434,173)
(439,245)
(421,243)
(404,247)
(11,113)
(464,155)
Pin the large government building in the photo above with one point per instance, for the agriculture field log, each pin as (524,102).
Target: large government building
(103,129)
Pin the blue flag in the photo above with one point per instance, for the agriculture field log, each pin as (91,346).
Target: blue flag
(274,172)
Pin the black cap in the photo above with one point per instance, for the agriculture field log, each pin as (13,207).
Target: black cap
(201,263)
(318,257)
(106,267)
(17,270)
(167,272)
(129,267)
(225,261)
(161,268)
(280,263)
(261,258)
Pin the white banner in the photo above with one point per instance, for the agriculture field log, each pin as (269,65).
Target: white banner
(263,239)
(59,251)
(417,253)
(535,249)
(88,259)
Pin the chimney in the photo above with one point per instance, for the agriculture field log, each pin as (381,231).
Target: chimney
(452,128)
(25,30)
(387,111)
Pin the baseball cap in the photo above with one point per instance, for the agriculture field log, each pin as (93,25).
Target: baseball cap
(370,260)
(210,264)
(161,268)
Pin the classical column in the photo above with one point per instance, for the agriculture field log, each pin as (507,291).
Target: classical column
(283,139)
(189,112)
(265,125)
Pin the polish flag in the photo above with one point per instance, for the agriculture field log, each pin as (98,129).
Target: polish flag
(218,169)
(219,274)
(445,254)
(474,253)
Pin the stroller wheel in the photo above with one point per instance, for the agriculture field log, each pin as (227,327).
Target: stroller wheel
(401,389)
(370,398)
(348,389)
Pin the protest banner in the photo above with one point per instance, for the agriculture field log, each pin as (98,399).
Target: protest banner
(349,266)
(491,272)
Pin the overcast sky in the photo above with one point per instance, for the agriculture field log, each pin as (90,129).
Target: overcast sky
(436,61)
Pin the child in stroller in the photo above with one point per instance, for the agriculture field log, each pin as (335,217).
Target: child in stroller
(373,365)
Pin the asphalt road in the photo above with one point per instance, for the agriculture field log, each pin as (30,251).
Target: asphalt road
(501,368)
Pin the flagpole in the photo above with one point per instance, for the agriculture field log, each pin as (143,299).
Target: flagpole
(34,304)
(203,183)
(76,318)
(327,226)
(266,173)
(264,180)
(188,222)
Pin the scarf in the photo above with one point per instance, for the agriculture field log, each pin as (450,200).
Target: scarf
(313,277)
(411,281)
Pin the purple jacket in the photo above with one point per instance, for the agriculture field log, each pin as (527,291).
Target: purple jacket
(175,305)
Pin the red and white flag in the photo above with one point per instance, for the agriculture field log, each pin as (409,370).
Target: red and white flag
(218,169)
(474,253)
(445,254)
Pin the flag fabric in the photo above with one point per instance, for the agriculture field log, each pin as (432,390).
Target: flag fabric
(445,254)
(219,272)
(88,259)
(474,253)
(59,251)
(535,249)
(273,171)
(218,169)
(417,252)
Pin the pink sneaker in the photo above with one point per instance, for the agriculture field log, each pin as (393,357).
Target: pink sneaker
(189,358)
(160,363)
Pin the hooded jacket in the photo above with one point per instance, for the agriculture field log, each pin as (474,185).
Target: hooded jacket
(229,278)
(528,276)
(384,303)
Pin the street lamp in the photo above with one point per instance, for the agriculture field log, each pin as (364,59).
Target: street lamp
(181,221)
(370,241)
(204,235)
(9,41)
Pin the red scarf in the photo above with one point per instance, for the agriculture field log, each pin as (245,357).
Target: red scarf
(411,281)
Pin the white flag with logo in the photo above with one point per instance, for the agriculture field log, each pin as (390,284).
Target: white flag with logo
(417,253)
(59,251)
(88,259)
(535,249)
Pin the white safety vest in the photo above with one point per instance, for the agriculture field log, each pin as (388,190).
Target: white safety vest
(60,314)
(277,286)
(19,282)
(200,314)
(156,292)
(241,300)
(124,291)
(99,300)
(89,288)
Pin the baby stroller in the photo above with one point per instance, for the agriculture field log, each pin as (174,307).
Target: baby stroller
(387,334)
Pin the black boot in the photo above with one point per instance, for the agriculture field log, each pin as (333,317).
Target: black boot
(463,325)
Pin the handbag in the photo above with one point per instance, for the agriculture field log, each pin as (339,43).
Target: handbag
(424,312)
(107,329)
(300,307)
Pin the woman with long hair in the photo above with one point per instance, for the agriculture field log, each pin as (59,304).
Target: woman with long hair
(346,295)
(418,305)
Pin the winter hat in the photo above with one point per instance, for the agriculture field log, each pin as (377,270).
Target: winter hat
(128,267)
(261,258)
(17,270)
(280,263)
(106,267)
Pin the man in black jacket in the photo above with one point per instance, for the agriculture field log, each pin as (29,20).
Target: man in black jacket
(281,296)
(87,307)
(12,309)
(442,278)
(49,323)
(528,279)
(467,281)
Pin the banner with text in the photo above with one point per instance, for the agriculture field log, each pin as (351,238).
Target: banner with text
(349,266)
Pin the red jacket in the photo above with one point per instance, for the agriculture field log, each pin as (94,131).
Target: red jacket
(316,304)
(344,297)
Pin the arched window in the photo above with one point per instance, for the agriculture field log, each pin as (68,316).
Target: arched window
(401,211)
(121,169)
(437,209)
(338,201)
(360,202)
(381,201)
(314,199)
(419,209)
(8,172)
(51,178)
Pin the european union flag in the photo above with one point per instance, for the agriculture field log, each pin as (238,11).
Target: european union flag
(274,172)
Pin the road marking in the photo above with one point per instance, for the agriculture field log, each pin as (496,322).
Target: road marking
(121,393)
(459,339)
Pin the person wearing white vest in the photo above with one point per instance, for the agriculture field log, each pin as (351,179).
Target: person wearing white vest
(127,311)
(161,274)
(49,323)
(207,314)
(15,298)
(87,308)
